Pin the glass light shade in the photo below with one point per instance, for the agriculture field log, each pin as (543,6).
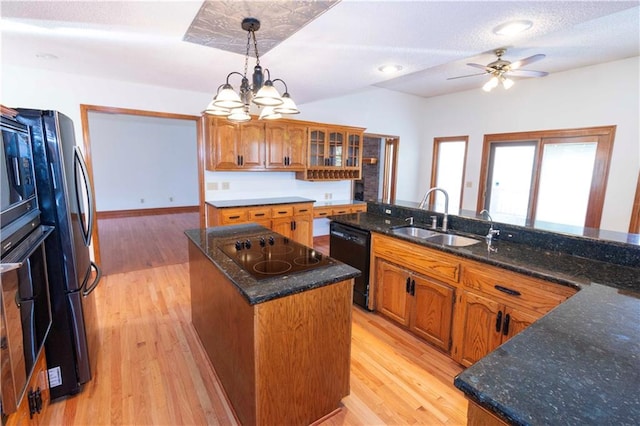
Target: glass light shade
(228,98)
(268,113)
(267,95)
(212,109)
(507,83)
(489,85)
(239,115)
(288,106)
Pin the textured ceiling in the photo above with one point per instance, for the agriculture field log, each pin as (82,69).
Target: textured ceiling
(325,54)
(218,23)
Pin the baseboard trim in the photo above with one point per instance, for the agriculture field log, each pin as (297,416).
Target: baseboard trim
(114,214)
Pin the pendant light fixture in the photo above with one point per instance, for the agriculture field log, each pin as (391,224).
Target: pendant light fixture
(235,105)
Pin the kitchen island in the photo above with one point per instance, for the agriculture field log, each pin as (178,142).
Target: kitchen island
(579,363)
(279,345)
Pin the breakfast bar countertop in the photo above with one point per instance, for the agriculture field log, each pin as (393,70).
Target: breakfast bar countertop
(579,364)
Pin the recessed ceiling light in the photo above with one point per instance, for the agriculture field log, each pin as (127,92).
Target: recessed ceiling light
(390,69)
(512,27)
(46,56)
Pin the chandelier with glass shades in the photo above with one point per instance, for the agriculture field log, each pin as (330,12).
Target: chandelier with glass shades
(235,105)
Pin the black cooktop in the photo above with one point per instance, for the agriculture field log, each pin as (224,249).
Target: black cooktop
(272,255)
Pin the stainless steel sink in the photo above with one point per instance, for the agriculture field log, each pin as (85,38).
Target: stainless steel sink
(414,231)
(452,240)
(435,237)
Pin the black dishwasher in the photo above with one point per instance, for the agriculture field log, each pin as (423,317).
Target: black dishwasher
(351,246)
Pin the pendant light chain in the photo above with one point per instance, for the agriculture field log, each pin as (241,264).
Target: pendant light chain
(255,48)
(246,55)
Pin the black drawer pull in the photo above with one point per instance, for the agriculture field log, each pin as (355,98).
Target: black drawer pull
(259,214)
(234,217)
(507,320)
(507,290)
(499,321)
(408,289)
(413,287)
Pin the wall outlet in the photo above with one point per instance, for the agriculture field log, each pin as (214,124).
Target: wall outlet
(327,195)
(212,186)
(225,185)
(469,184)
(387,211)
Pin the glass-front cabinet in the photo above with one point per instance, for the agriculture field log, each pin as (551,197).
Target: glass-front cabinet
(334,153)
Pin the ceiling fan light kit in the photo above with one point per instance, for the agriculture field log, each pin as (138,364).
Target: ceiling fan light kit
(500,70)
(235,105)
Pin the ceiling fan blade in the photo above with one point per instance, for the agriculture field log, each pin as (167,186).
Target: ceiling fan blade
(527,73)
(522,62)
(468,75)
(487,69)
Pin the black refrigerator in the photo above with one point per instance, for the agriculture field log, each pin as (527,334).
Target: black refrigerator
(66,203)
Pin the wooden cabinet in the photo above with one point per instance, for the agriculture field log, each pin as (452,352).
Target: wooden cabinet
(325,211)
(422,304)
(234,146)
(286,146)
(291,220)
(334,153)
(495,305)
(37,391)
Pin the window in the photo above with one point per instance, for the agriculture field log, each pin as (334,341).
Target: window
(555,176)
(447,170)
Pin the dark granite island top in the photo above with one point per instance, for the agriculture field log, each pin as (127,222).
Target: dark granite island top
(210,240)
(579,364)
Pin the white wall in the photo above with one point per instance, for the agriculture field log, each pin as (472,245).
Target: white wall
(144,162)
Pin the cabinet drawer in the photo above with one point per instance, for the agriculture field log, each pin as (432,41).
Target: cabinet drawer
(260,214)
(302,209)
(230,216)
(341,210)
(321,212)
(282,211)
(514,288)
(359,208)
(417,258)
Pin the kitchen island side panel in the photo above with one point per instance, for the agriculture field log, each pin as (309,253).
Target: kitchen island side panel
(224,321)
(303,354)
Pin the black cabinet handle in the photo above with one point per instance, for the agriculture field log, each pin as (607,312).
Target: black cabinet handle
(413,287)
(507,320)
(242,160)
(507,290)
(295,225)
(408,289)
(238,161)
(499,322)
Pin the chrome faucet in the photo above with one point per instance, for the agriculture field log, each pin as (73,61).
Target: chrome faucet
(410,220)
(492,231)
(445,219)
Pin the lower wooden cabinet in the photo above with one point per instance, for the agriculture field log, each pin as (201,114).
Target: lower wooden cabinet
(459,305)
(423,305)
(35,399)
(294,221)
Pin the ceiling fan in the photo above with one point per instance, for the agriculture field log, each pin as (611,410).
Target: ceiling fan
(501,69)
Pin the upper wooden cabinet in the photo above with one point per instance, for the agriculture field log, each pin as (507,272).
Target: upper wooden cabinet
(334,153)
(286,145)
(314,151)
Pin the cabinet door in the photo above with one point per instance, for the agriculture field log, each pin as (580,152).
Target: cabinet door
(480,329)
(225,146)
(336,149)
(277,144)
(252,142)
(515,321)
(432,311)
(317,147)
(303,229)
(393,300)
(282,226)
(353,150)
(297,136)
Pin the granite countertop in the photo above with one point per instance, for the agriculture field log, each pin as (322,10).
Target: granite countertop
(258,291)
(329,203)
(258,202)
(580,363)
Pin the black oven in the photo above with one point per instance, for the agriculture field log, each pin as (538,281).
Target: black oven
(18,185)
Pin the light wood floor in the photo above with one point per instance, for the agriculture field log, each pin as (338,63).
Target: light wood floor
(140,242)
(153,371)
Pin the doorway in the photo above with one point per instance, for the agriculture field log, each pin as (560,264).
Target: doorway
(379,164)
(118,219)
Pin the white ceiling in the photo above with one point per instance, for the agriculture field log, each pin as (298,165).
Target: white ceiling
(336,53)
